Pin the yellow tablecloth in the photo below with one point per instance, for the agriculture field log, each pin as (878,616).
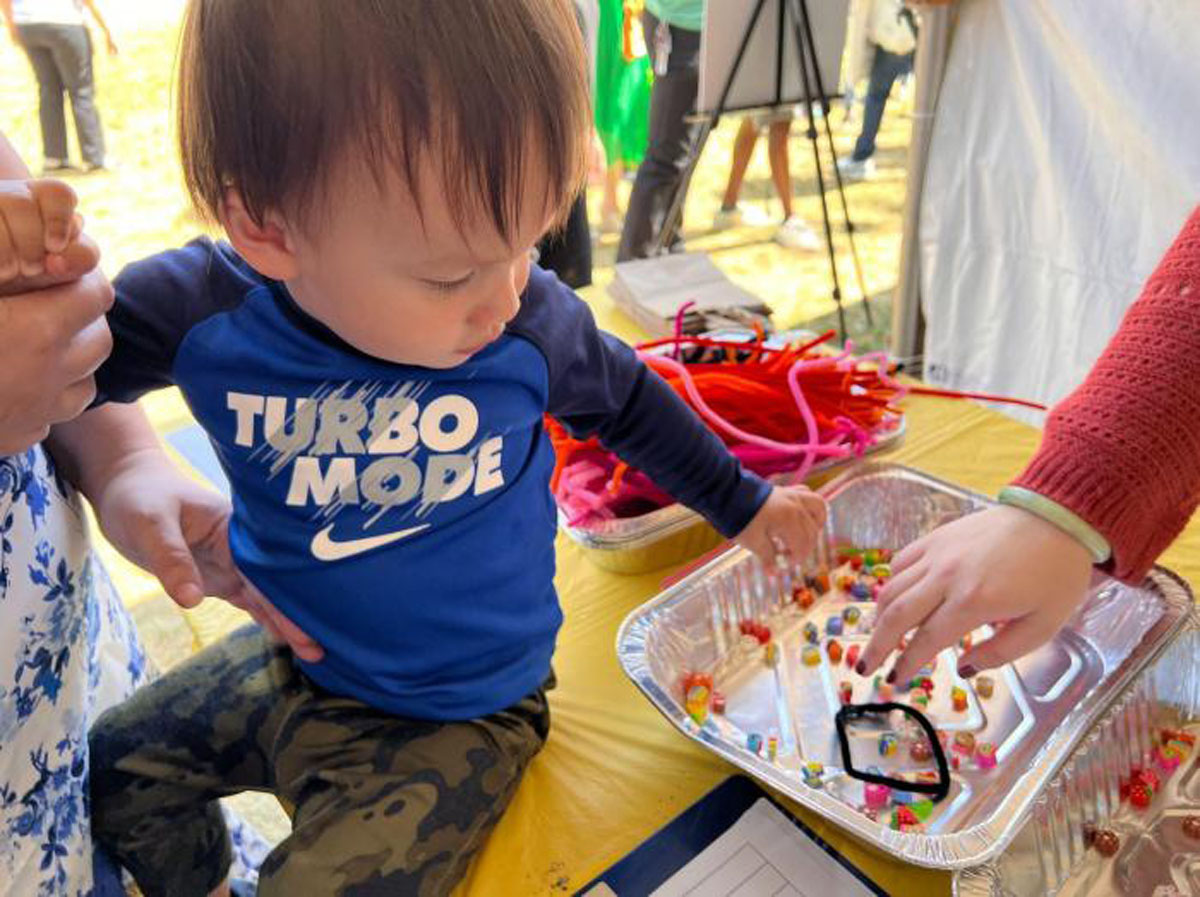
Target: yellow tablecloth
(614,771)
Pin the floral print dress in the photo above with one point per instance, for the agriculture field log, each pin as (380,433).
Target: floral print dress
(68,651)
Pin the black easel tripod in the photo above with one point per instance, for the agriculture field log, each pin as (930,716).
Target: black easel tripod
(796,13)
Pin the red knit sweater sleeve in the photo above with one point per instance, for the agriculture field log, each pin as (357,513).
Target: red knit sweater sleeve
(1123,450)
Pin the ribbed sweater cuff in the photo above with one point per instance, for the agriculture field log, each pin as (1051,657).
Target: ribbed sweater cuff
(1118,509)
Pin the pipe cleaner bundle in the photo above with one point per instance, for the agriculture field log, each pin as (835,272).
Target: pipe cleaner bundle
(780,409)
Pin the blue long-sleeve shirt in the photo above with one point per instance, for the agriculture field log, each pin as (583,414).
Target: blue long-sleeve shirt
(400,515)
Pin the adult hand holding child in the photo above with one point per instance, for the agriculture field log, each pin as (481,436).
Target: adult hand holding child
(52,304)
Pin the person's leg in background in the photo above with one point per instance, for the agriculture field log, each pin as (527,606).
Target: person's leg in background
(73,56)
(732,212)
(568,253)
(672,138)
(37,41)
(610,206)
(777,156)
(885,69)
(793,233)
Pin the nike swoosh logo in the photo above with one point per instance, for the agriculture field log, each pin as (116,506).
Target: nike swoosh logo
(325,549)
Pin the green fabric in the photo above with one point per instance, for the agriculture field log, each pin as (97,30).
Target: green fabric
(687,14)
(622,107)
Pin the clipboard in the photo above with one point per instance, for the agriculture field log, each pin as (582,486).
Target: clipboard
(673,847)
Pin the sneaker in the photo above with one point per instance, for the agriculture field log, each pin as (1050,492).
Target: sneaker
(856,169)
(93,167)
(794,233)
(741,215)
(52,166)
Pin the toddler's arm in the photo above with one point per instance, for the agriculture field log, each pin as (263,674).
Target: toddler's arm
(599,387)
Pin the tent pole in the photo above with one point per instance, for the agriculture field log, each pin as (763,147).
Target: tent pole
(933,44)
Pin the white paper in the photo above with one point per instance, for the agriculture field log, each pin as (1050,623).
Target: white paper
(763,854)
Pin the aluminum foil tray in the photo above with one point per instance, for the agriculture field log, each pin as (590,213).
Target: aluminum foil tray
(1039,710)
(1156,857)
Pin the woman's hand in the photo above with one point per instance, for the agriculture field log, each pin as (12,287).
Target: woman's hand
(52,339)
(1003,566)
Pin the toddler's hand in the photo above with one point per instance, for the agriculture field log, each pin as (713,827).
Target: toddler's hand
(179,531)
(1003,566)
(37,224)
(789,522)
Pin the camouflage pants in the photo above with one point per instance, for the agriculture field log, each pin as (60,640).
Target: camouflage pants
(383,805)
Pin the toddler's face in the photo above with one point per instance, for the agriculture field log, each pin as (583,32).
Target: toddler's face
(411,287)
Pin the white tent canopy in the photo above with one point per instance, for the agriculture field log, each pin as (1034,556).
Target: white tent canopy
(1064,155)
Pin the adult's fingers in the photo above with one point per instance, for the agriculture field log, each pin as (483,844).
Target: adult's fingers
(1013,639)
(898,585)
(87,350)
(258,614)
(10,264)
(16,442)
(72,401)
(70,306)
(904,614)
(942,628)
(302,645)
(909,555)
(91,296)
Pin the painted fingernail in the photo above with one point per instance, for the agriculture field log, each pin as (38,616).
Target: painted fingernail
(891,678)
(966,671)
(861,668)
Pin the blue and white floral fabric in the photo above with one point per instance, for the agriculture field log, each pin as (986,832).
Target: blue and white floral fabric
(68,652)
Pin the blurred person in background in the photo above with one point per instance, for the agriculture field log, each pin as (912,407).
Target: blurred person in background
(880,45)
(672,34)
(793,232)
(622,98)
(54,36)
